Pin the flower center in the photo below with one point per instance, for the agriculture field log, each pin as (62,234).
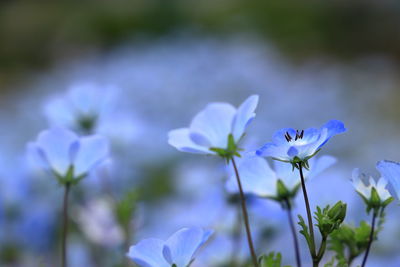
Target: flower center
(299,135)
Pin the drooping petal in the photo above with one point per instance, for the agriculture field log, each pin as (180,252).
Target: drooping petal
(214,123)
(256,177)
(55,144)
(92,150)
(244,115)
(148,253)
(180,248)
(180,139)
(391,171)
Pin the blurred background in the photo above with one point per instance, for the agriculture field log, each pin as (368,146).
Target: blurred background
(154,64)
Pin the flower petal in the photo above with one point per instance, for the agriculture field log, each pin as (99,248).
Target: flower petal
(55,144)
(180,248)
(180,139)
(334,127)
(256,177)
(148,253)
(244,115)
(214,123)
(391,171)
(92,150)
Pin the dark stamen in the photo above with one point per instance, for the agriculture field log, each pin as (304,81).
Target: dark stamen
(288,137)
(301,134)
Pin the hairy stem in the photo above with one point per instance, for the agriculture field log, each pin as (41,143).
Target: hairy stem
(371,239)
(245,215)
(65,226)
(293,230)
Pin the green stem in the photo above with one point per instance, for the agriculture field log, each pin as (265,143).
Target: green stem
(245,215)
(321,250)
(65,226)
(309,217)
(293,230)
(371,239)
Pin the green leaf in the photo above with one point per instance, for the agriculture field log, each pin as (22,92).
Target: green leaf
(271,260)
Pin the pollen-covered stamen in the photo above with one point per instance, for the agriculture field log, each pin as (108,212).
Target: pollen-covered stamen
(288,137)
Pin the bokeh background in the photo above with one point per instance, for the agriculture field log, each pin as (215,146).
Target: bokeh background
(309,62)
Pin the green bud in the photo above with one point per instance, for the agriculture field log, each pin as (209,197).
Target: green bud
(338,212)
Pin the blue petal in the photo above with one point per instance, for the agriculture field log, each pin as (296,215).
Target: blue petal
(390,170)
(279,136)
(91,151)
(148,253)
(180,139)
(56,144)
(334,127)
(257,177)
(244,115)
(180,248)
(214,123)
(292,152)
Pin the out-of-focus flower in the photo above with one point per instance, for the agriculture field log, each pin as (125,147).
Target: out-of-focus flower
(178,250)
(99,224)
(211,127)
(374,193)
(260,179)
(390,170)
(290,145)
(69,157)
(84,105)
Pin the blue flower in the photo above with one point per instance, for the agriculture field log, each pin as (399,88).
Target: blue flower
(391,171)
(66,155)
(178,250)
(259,179)
(290,145)
(83,108)
(212,126)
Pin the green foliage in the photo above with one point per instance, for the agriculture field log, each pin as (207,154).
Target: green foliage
(304,231)
(349,242)
(271,260)
(329,219)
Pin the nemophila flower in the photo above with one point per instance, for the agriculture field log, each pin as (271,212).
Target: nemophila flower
(82,106)
(216,129)
(279,183)
(177,251)
(374,193)
(391,171)
(66,155)
(290,145)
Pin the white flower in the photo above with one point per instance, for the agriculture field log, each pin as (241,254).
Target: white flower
(211,127)
(98,223)
(365,188)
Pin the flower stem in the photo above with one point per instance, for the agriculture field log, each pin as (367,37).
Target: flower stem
(309,217)
(245,215)
(65,227)
(371,239)
(293,229)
